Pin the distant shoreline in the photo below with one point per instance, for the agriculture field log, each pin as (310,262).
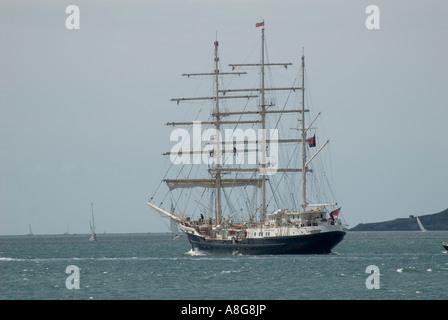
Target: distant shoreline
(431,222)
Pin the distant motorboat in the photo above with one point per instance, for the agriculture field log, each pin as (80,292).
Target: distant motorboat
(445,245)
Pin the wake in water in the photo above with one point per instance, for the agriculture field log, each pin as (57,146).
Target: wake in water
(194,253)
(10,259)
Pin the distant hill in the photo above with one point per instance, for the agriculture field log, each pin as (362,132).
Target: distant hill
(436,221)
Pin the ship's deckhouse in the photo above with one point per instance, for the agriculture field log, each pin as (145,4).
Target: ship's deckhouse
(282,217)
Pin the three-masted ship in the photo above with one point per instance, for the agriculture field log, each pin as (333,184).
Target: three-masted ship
(236,187)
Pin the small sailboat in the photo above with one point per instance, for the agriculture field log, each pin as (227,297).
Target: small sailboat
(421,225)
(31,232)
(92,227)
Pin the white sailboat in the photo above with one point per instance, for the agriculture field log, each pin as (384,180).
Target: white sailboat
(92,226)
(422,228)
(255,161)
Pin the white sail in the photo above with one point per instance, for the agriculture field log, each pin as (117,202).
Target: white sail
(421,225)
(211,183)
(92,227)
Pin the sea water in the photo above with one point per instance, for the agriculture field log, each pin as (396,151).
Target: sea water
(364,266)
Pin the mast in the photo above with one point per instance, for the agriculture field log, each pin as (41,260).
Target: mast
(263,137)
(218,130)
(303,139)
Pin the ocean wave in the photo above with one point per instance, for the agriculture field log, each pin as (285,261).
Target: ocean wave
(230,271)
(80,259)
(11,259)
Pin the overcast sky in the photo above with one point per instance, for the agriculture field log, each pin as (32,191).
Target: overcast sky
(82,112)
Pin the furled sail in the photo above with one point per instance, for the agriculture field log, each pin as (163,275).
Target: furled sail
(211,183)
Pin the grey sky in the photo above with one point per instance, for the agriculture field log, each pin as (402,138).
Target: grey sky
(82,111)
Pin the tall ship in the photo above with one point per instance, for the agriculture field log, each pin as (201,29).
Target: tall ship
(251,177)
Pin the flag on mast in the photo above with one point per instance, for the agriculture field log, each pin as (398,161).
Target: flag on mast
(334,213)
(311,141)
(259,24)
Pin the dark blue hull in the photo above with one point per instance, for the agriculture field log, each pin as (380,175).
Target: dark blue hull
(320,243)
